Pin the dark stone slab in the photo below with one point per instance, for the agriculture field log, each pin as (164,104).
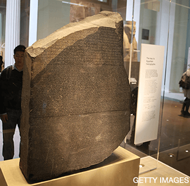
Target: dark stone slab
(75,99)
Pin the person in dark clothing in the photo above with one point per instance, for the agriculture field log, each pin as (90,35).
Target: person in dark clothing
(145,145)
(185,84)
(1,63)
(10,100)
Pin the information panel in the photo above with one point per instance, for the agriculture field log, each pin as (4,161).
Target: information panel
(149,93)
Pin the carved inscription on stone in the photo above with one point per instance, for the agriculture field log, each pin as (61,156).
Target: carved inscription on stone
(75,98)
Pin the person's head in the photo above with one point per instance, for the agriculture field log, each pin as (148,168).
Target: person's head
(19,56)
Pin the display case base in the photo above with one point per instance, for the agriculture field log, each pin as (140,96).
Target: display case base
(117,170)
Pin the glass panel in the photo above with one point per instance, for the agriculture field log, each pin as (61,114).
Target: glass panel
(175,140)
(24,27)
(52,15)
(158,22)
(180,44)
(150,21)
(68,11)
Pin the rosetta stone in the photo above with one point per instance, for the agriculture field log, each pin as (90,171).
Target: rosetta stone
(75,98)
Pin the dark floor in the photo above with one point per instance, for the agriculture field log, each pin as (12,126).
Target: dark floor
(174,139)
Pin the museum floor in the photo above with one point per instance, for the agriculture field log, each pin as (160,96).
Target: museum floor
(175,140)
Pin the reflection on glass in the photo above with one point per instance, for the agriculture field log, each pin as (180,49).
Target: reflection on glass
(129,37)
(52,15)
(105,1)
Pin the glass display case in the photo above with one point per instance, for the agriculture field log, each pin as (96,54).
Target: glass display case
(145,22)
(166,23)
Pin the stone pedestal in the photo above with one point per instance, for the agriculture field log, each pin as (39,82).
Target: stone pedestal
(117,170)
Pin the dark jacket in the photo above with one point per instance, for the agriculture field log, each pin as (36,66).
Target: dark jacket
(10,89)
(134,97)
